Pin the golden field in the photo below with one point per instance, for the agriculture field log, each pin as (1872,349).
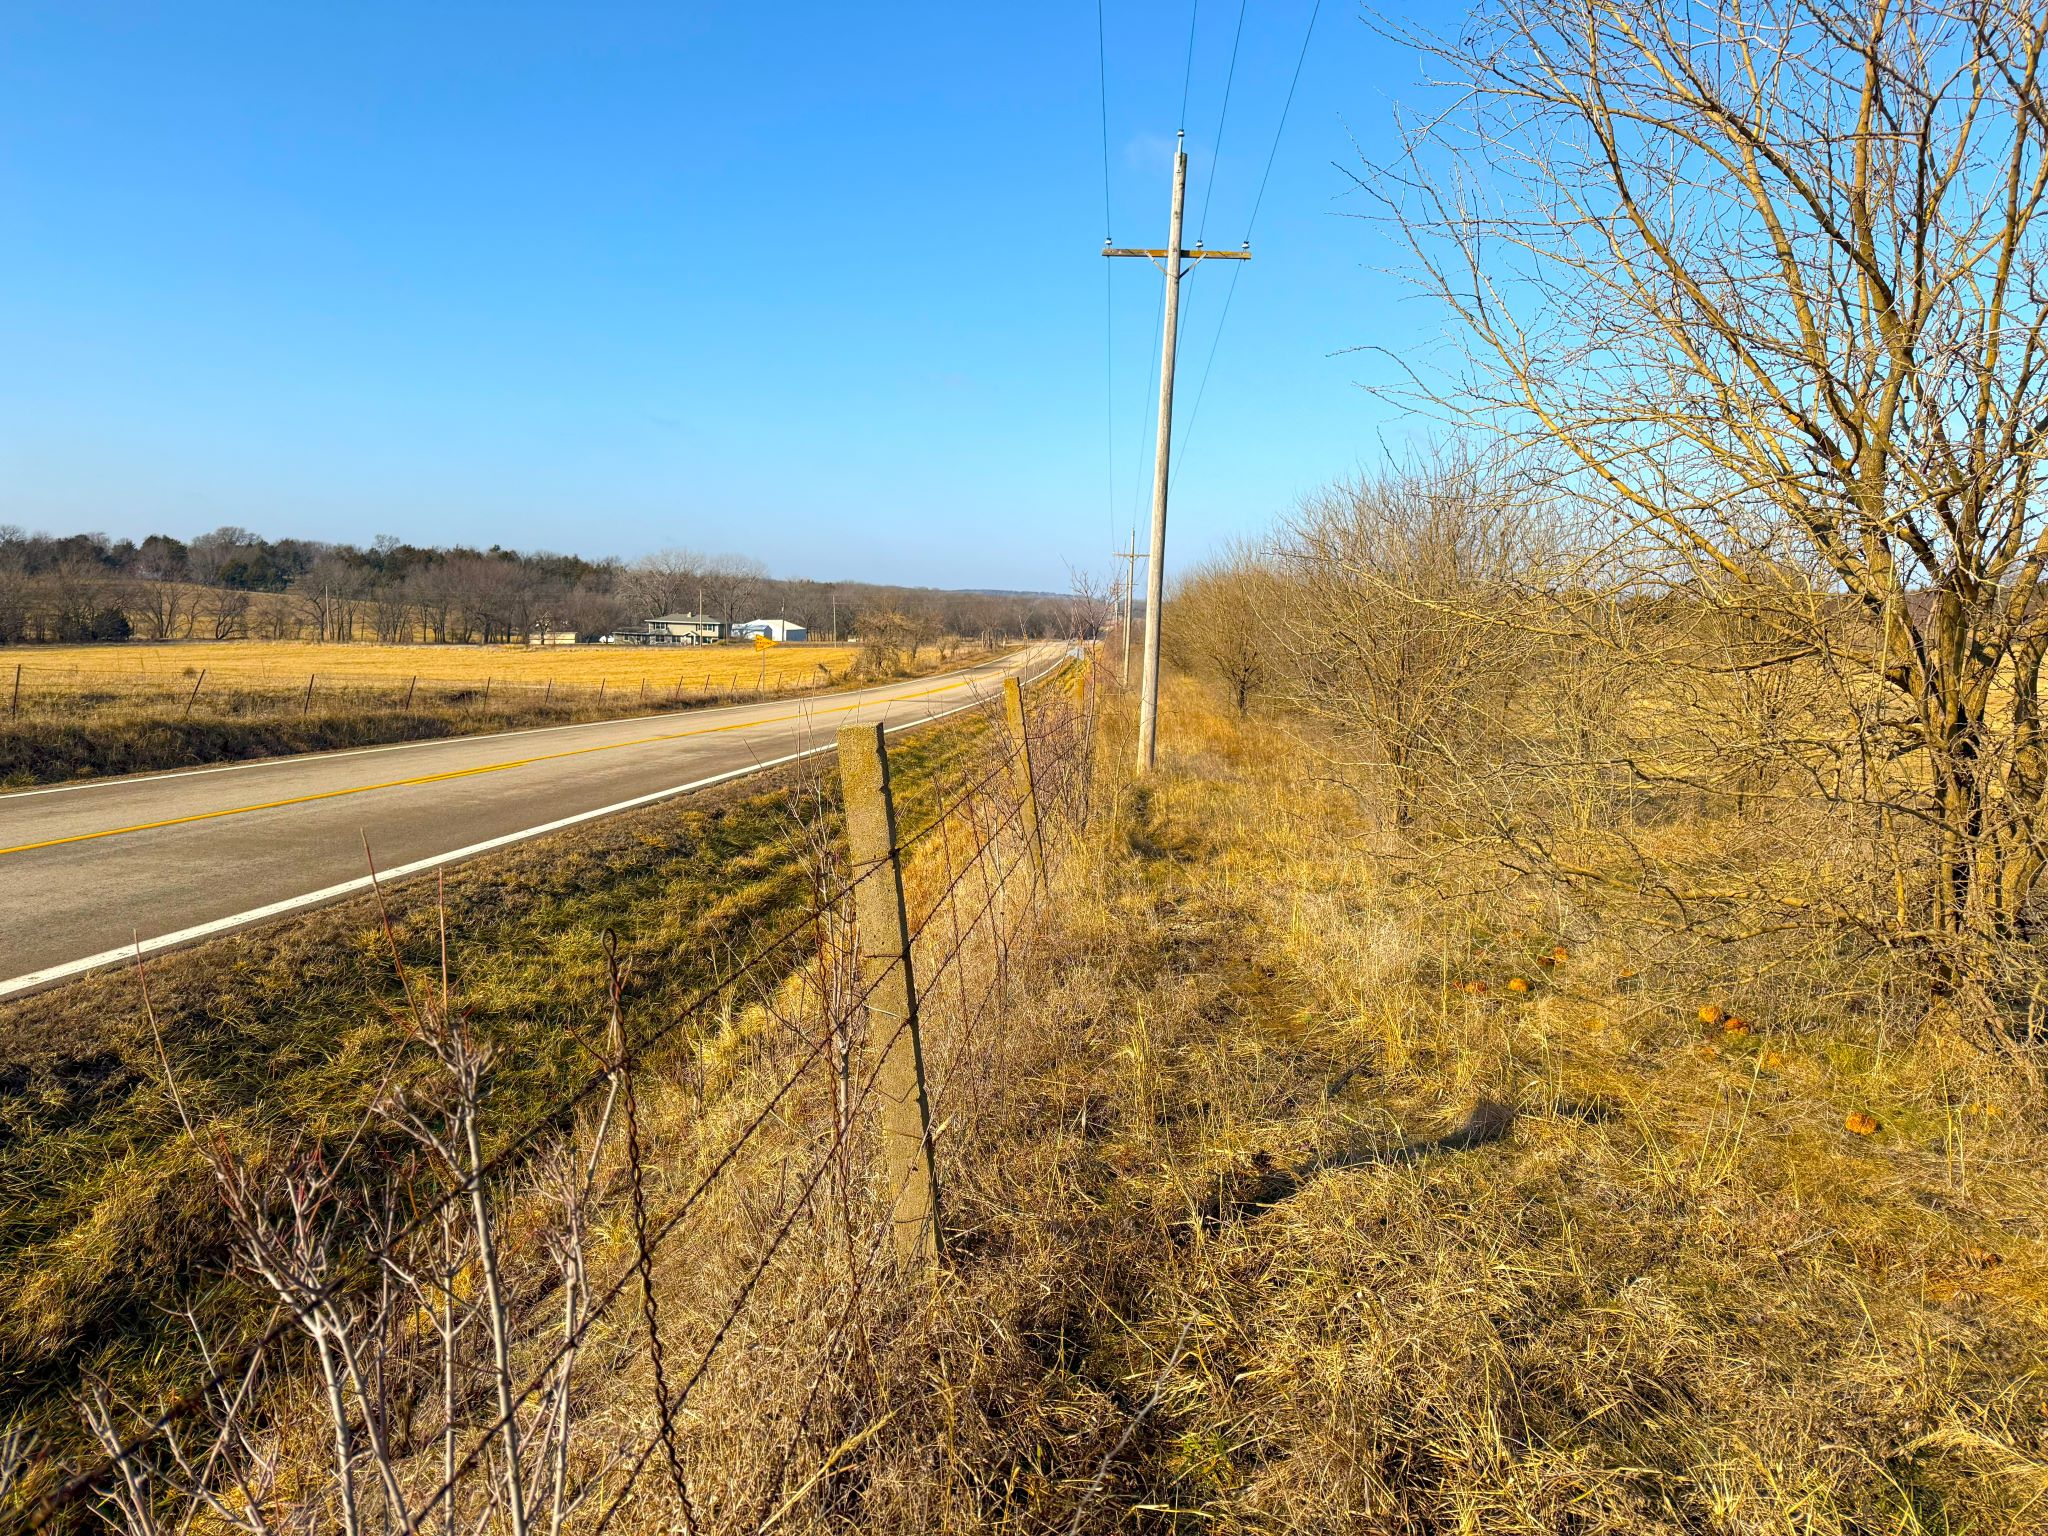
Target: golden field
(272,662)
(80,710)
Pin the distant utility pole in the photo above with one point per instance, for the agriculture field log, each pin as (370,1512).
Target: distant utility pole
(1130,557)
(1169,261)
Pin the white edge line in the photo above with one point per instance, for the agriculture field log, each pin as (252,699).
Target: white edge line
(35,981)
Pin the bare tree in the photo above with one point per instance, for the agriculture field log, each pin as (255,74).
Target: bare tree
(163,609)
(669,581)
(733,584)
(1091,603)
(1398,628)
(327,597)
(1767,281)
(225,613)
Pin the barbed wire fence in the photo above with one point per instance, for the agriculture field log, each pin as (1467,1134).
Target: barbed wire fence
(655,1300)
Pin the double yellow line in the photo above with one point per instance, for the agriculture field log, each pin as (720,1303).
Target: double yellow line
(470,773)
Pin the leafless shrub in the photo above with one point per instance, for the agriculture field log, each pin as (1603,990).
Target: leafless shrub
(1398,619)
(1222,618)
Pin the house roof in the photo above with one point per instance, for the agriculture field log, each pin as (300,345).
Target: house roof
(681,618)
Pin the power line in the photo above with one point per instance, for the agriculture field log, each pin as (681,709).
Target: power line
(1188,74)
(1202,389)
(1287,106)
(1102,100)
(1216,148)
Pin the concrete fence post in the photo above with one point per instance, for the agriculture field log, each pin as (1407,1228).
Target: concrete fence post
(1027,783)
(882,927)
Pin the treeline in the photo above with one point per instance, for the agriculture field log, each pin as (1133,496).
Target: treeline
(234,584)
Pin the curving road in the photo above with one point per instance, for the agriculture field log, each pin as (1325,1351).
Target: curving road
(87,869)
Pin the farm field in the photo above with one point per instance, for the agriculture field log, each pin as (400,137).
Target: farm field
(77,711)
(173,665)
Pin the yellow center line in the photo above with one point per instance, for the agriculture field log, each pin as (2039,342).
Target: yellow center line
(466,773)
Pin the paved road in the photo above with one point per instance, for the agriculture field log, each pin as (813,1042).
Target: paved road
(175,857)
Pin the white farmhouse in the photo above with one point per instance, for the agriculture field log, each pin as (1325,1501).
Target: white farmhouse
(675,629)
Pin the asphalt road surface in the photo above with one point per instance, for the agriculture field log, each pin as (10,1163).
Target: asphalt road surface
(88,869)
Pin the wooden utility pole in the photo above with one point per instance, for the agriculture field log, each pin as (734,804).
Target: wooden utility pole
(1130,557)
(882,927)
(1169,261)
(1027,782)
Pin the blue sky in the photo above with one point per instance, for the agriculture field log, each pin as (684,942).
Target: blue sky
(815,283)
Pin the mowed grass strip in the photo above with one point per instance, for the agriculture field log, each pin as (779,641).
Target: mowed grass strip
(109,1226)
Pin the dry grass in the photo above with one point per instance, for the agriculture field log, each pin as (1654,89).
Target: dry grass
(1274,1206)
(164,665)
(1286,1229)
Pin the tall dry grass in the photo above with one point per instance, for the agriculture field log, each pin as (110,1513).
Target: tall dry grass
(1305,1216)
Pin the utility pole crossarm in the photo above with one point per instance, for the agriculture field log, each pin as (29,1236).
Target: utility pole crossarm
(1197,254)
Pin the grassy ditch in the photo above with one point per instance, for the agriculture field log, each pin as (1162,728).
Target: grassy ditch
(110,1228)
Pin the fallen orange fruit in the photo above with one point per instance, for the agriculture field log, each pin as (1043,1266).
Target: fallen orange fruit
(1518,985)
(1735,1026)
(1861,1124)
(1709,1014)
